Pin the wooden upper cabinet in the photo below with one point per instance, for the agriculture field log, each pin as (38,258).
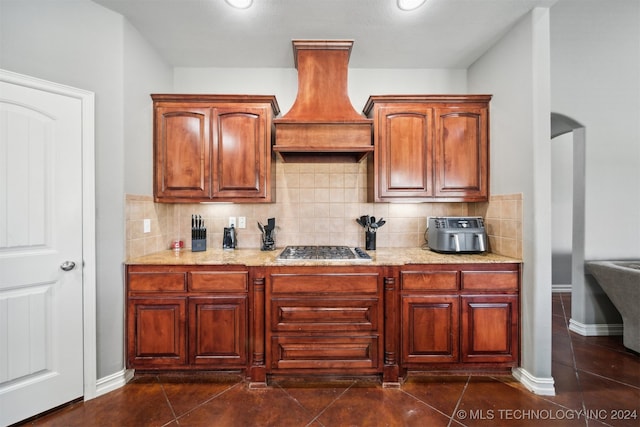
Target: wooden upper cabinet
(240,152)
(404,151)
(461,152)
(182,151)
(429,148)
(213,148)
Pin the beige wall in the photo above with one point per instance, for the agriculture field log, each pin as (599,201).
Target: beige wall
(317,204)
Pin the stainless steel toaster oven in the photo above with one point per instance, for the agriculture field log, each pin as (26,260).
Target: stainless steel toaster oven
(456,234)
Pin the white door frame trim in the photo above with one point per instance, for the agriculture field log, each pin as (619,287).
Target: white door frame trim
(87,100)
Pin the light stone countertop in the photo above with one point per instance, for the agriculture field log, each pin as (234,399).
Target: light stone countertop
(257,258)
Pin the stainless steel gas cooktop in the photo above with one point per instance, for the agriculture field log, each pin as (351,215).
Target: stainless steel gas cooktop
(325,253)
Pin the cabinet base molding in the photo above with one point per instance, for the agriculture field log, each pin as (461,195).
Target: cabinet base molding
(393,385)
(460,369)
(258,375)
(543,386)
(327,378)
(257,385)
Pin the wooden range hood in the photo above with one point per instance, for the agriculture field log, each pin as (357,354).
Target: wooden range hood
(322,125)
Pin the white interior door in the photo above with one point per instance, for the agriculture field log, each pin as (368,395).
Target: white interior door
(41,251)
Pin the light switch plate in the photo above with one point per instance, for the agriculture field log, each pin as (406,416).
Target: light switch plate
(242,222)
(147,225)
(232,221)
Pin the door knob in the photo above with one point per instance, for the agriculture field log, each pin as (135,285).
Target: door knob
(68,265)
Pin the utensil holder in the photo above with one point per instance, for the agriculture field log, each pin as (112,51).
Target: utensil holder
(268,243)
(370,240)
(198,245)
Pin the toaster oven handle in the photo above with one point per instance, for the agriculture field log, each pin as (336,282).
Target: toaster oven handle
(456,242)
(480,241)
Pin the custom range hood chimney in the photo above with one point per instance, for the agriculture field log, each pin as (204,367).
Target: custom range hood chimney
(322,125)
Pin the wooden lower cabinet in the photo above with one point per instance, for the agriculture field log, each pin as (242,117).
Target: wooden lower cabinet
(324,320)
(458,317)
(187,317)
(489,328)
(332,320)
(430,329)
(218,330)
(156,332)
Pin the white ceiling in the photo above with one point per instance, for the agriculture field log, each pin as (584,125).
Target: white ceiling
(209,33)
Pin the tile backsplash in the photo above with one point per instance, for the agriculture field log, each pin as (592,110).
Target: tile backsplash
(317,204)
(503,223)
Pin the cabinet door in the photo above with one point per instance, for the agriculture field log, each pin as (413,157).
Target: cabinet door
(461,147)
(490,330)
(156,332)
(218,330)
(181,150)
(241,152)
(430,329)
(404,152)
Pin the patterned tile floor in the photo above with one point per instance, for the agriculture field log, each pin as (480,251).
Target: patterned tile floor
(597,383)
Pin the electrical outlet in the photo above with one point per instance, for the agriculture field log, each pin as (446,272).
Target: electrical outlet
(147,225)
(232,221)
(242,222)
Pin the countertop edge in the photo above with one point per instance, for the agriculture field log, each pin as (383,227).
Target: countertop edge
(256,258)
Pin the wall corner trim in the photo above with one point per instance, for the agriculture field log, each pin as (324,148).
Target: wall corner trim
(543,386)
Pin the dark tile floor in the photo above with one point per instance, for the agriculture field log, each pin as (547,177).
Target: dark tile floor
(595,376)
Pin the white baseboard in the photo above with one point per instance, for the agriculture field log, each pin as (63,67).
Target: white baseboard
(595,329)
(561,287)
(114,381)
(542,386)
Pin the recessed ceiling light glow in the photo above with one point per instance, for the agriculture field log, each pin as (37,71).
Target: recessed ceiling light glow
(240,4)
(410,4)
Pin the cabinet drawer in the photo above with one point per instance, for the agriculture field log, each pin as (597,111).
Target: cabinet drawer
(331,353)
(324,314)
(490,280)
(361,283)
(219,281)
(157,281)
(429,280)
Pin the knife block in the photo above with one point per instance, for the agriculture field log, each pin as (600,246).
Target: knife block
(198,245)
